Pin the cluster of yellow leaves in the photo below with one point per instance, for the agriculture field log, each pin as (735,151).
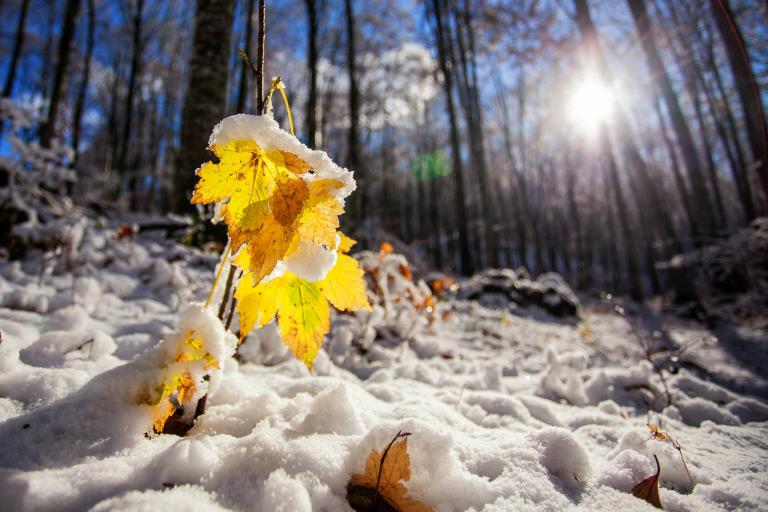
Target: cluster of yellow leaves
(178,386)
(270,210)
(382,480)
(302,307)
(270,207)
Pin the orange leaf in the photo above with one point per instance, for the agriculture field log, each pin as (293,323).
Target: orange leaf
(648,489)
(382,481)
(405,270)
(295,164)
(386,248)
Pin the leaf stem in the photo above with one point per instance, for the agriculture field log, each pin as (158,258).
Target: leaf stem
(224,258)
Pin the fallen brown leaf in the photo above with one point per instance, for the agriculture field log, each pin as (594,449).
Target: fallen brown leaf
(648,489)
(380,487)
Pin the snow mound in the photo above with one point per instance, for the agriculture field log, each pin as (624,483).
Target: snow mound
(506,412)
(500,287)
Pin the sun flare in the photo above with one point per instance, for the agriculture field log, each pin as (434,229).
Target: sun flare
(590,105)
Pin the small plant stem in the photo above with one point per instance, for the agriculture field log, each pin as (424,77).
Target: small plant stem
(260,106)
(224,258)
(232,305)
(227,289)
(260,57)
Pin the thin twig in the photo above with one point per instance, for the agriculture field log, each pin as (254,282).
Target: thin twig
(260,104)
(244,55)
(227,289)
(232,305)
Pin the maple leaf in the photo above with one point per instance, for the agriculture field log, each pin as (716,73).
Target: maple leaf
(303,318)
(302,307)
(344,286)
(382,480)
(270,207)
(346,243)
(320,220)
(648,489)
(257,305)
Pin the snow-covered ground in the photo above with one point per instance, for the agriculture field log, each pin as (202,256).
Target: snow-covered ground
(509,409)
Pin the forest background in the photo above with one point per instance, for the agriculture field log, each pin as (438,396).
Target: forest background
(594,139)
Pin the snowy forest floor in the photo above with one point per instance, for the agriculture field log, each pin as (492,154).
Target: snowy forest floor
(509,409)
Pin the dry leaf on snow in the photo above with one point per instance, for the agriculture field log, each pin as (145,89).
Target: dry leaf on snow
(648,489)
(381,487)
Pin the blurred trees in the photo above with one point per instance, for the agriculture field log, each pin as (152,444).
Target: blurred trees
(454,115)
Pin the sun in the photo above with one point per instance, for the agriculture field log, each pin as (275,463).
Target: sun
(590,105)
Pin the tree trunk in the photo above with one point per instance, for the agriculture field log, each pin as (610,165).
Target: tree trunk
(48,128)
(446,69)
(82,92)
(746,86)
(242,93)
(353,136)
(471,105)
(678,175)
(592,47)
(729,137)
(18,44)
(122,160)
(205,102)
(700,195)
(45,75)
(110,147)
(312,58)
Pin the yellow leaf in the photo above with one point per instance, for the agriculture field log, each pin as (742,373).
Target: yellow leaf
(320,219)
(266,247)
(344,285)
(294,163)
(266,200)
(180,385)
(346,243)
(219,181)
(192,349)
(288,199)
(303,317)
(383,478)
(256,305)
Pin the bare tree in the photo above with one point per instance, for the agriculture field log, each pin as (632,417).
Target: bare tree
(242,91)
(700,196)
(591,43)
(48,128)
(82,91)
(746,86)
(353,140)
(446,69)
(312,58)
(18,44)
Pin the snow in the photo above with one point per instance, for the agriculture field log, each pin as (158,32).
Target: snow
(508,410)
